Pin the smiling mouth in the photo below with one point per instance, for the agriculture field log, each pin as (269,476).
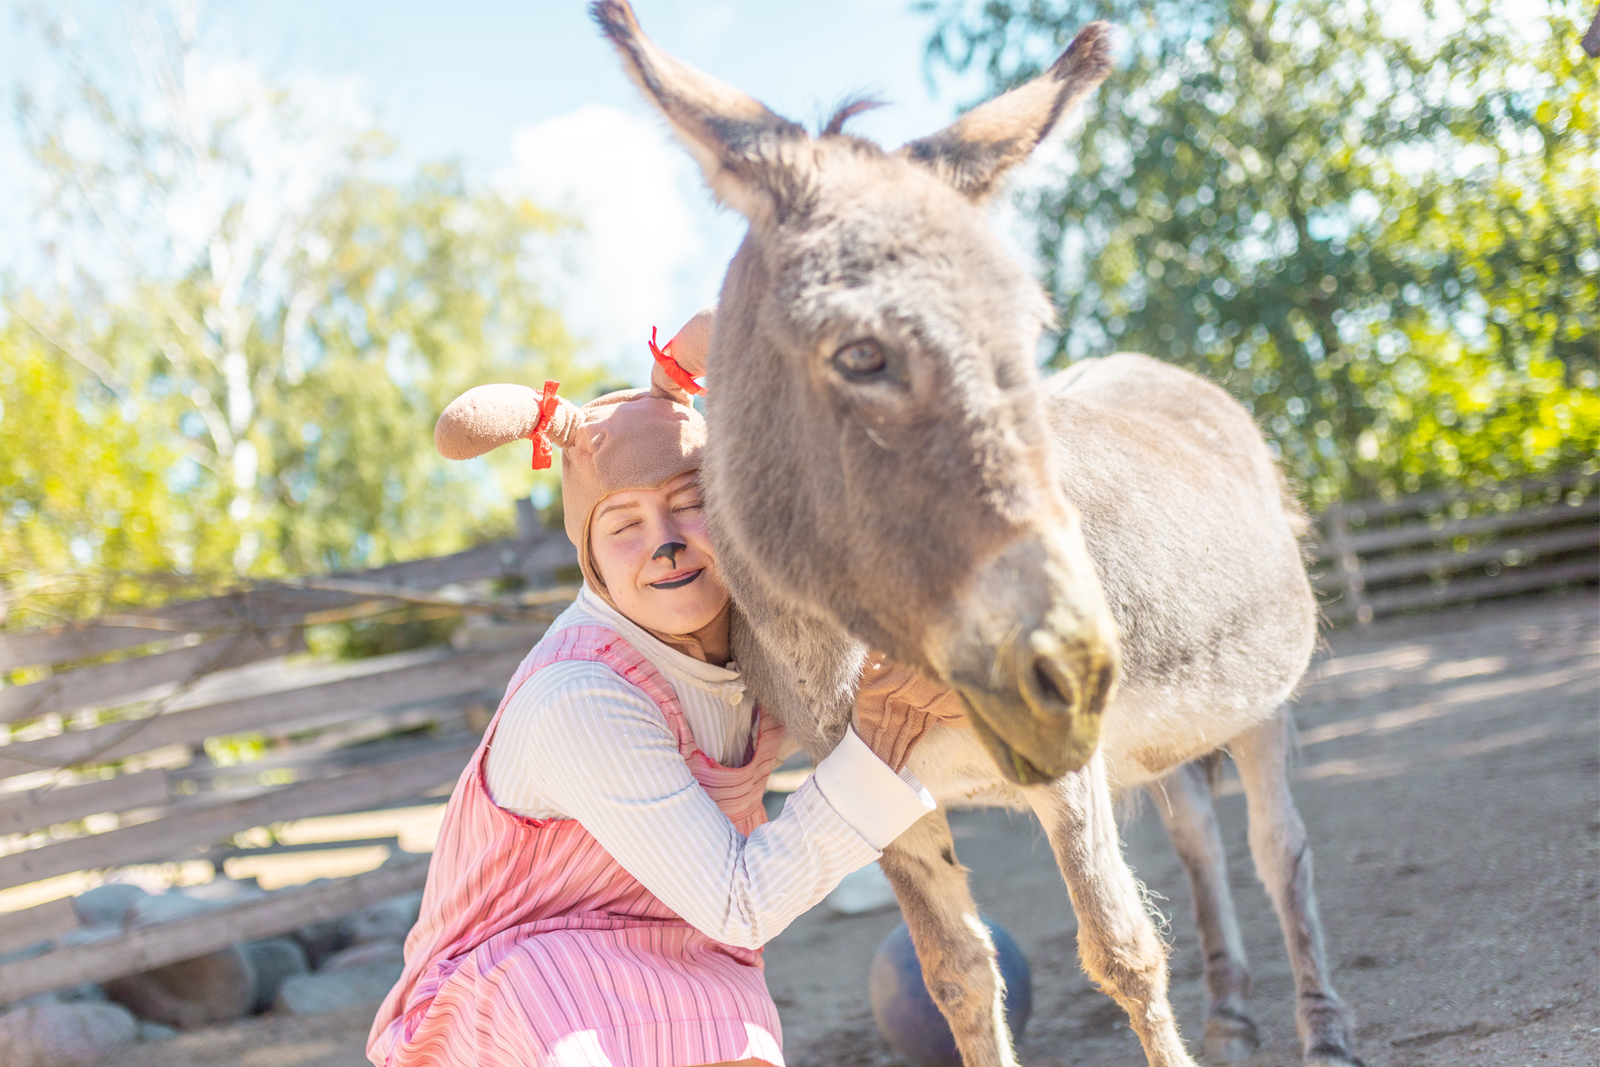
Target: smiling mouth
(678,583)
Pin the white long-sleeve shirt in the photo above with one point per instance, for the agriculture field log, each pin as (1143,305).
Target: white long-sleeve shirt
(579,742)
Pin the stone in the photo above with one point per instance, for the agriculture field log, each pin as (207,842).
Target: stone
(313,994)
(861,892)
(387,920)
(107,905)
(225,890)
(49,1034)
(215,988)
(272,960)
(169,907)
(155,1032)
(321,940)
(373,952)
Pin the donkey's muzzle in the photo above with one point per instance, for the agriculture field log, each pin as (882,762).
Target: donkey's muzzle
(1035,659)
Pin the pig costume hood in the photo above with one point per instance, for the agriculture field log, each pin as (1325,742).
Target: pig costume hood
(630,439)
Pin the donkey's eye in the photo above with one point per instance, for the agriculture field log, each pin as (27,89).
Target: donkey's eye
(860,360)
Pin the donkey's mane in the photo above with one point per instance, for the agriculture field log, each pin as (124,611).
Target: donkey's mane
(847,111)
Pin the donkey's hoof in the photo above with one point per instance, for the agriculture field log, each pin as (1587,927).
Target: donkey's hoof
(1230,1037)
(1330,1055)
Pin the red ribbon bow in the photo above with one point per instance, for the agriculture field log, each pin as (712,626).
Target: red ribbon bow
(674,370)
(547,408)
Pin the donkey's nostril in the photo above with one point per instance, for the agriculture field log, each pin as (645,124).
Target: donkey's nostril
(1055,685)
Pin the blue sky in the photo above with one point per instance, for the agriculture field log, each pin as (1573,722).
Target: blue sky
(531,98)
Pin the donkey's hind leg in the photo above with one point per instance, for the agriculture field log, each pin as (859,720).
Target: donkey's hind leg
(1117,940)
(958,959)
(1184,800)
(1283,861)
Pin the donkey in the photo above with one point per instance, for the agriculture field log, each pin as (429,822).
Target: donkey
(1104,564)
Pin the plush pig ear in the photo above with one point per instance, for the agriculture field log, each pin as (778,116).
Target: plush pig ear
(973,153)
(683,359)
(482,419)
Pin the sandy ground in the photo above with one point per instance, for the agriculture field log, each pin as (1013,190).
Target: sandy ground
(1449,781)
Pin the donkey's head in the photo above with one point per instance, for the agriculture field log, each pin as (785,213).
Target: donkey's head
(879,454)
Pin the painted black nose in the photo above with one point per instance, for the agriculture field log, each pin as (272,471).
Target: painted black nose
(669,552)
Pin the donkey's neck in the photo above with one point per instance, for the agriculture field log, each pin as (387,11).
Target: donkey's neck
(799,667)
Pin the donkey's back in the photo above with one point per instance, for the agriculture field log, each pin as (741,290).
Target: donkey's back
(1196,543)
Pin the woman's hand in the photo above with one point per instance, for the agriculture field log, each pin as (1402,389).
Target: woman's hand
(895,706)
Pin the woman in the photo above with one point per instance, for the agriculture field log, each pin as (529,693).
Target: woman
(605,876)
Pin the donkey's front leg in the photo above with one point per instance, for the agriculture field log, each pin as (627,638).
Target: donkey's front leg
(1116,939)
(1282,855)
(958,959)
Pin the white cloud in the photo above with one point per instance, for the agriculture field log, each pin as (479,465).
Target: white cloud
(652,249)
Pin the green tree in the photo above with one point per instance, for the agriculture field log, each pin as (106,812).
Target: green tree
(1376,226)
(272,324)
(81,488)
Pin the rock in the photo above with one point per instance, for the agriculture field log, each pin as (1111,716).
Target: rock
(169,907)
(321,940)
(313,994)
(217,987)
(107,904)
(860,892)
(387,920)
(225,890)
(89,935)
(63,1035)
(273,960)
(369,954)
(155,1032)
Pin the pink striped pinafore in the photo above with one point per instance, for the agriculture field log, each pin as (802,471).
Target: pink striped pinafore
(535,947)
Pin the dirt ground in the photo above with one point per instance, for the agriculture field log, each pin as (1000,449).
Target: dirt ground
(1449,781)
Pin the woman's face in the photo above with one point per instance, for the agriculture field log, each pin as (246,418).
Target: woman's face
(651,549)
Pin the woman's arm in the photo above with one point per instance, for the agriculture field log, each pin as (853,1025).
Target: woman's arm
(596,748)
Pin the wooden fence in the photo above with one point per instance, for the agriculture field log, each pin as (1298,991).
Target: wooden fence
(106,759)
(1379,558)
(105,765)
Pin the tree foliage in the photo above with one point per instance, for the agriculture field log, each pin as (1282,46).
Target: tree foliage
(1375,224)
(236,362)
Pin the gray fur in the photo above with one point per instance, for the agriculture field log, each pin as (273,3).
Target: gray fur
(1104,564)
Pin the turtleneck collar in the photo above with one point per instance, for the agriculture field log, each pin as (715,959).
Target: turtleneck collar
(722,682)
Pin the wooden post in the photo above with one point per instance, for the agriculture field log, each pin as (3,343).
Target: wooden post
(1348,565)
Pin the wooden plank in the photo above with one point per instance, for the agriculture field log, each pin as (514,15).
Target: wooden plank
(353,743)
(38,808)
(348,690)
(1347,569)
(1393,567)
(170,837)
(277,606)
(1513,581)
(76,642)
(1423,533)
(135,679)
(1418,502)
(267,607)
(156,946)
(528,559)
(46,922)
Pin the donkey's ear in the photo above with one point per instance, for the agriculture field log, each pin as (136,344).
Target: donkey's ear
(748,153)
(972,154)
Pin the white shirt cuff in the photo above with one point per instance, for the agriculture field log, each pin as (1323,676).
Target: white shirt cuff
(879,804)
